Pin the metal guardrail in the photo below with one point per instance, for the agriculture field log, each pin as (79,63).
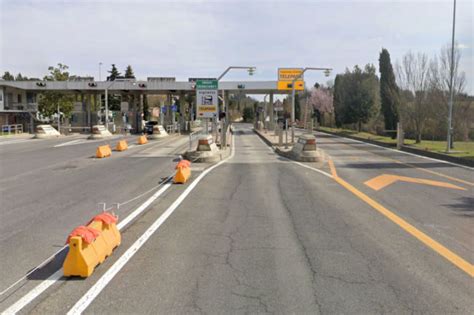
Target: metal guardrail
(173,128)
(9,129)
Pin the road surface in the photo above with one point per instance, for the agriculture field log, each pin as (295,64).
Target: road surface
(263,234)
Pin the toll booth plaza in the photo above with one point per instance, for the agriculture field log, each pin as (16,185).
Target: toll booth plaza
(21,97)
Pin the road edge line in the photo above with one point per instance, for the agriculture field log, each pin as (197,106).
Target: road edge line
(398,151)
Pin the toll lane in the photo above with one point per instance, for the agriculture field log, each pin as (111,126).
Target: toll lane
(263,234)
(42,205)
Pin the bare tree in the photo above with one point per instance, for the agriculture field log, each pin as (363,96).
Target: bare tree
(413,79)
(440,87)
(322,101)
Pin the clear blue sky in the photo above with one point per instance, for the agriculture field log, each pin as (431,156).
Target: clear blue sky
(201,38)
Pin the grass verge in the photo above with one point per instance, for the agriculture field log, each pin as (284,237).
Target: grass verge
(462,149)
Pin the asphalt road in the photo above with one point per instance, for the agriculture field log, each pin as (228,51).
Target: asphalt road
(262,234)
(48,187)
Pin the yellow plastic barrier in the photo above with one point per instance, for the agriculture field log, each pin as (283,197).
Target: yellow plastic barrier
(81,259)
(122,145)
(103,151)
(183,172)
(87,251)
(142,140)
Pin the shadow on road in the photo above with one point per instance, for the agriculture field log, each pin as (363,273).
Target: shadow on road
(464,208)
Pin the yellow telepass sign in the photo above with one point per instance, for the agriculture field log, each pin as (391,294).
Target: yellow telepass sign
(287,75)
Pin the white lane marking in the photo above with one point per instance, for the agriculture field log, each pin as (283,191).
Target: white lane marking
(295,162)
(15,308)
(399,151)
(43,286)
(13,141)
(84,141)
(314,169)
(78,141)
(95,290)
(140,209)
(266,145)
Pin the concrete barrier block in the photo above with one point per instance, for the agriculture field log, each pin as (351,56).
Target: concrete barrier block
(158,132)
(99,132)
(122,145)
(305,149)
(103,151)
(142,140)
(46,132)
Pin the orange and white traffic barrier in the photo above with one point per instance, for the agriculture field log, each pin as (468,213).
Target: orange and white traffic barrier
(90,245)
(183,172)
(142,140)
(103,151)
(122,145)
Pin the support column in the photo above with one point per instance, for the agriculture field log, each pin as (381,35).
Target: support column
(227,118)
(182,111)
(271,112)
(168,109)
(140,113)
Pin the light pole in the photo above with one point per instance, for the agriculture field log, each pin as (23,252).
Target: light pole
(251,71)
(449,144)
(327,72)
(100,71)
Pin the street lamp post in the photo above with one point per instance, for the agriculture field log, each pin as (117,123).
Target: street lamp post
(100,71)
(251,70)
(449,143)
(327,72)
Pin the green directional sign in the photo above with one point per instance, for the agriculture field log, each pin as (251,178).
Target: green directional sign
(206,84)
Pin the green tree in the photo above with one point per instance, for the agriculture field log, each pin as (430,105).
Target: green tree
(7,76)
(19,77)
(51,101)
(338,100)
(129,73)
(248,114)
(389,93)
(356,96)
(114,73)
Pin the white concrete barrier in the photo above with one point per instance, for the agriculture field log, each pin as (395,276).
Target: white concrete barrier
(206,151)
(46,132)
(99,132)
(305,149)
(158,132)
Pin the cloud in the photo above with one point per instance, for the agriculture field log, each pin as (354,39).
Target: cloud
(201,38)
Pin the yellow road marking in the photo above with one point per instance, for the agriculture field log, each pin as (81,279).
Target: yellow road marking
(422,237)
(384,180)
(332,168)
(433,172)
